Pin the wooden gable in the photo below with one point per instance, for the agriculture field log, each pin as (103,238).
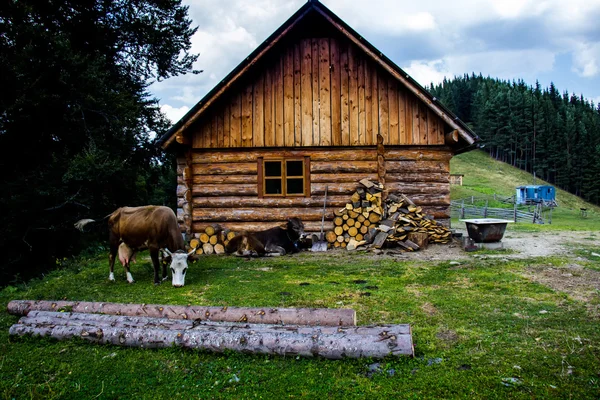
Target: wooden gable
(316,82)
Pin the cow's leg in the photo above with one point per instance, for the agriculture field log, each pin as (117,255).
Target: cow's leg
(273,250)
(165,275)
(154,257)
(112,255)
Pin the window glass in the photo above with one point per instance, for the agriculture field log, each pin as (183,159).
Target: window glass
(273,186)
(295,186)
(272,168)
(294,168)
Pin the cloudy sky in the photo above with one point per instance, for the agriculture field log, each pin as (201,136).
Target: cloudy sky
(547,40)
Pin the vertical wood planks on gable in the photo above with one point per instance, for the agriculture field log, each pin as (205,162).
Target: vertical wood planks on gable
(404,132)
(258,117)
(353,96)
(345,91)
(416,122)
(247,116)
(324,94)
(227,125)
(384,118)
(362,119)
(278,102)
(434,131)
(236,119)
(288,97)
(213,132)
(375,102)
(316,100)
(269,109)
(370,137)
(394,135)
(220,129)
(306,88)
(297,92)
(336,95)
(422,122)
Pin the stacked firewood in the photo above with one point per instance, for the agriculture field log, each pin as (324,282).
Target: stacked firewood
(361,215)
(212,241)
(367,220)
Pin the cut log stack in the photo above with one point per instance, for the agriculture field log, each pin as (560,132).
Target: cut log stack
(212,241)
(360,216)
(206,332)
(369,221)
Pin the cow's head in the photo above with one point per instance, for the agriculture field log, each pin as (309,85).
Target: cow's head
(295,228)
(179,265)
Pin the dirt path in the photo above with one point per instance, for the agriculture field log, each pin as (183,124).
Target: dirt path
(520,245)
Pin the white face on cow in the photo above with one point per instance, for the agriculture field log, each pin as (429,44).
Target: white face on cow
(179,266)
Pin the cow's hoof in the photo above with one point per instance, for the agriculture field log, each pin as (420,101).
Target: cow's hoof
(130,282)
(156,283)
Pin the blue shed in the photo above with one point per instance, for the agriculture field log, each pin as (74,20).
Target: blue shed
(529,194)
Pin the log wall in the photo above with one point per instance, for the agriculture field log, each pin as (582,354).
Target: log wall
(317,92)
(224,185)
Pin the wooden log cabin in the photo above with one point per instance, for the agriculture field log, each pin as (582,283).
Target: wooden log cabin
(315,108)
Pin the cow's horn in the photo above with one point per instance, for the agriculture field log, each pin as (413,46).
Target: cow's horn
(168,252)
(191,252)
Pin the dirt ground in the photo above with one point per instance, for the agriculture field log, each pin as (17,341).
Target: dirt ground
(519,245)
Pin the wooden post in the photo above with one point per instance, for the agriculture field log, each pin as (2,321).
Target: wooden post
(485,209)
(462,210)
(515,213)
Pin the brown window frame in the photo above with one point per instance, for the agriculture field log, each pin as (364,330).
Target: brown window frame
(305,176)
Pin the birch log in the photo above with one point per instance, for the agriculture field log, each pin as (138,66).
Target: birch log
(297,316)
(327,342)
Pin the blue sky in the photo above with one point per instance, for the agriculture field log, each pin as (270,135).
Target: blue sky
(547,40)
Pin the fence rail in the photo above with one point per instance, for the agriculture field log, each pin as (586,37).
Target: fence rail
(458,209)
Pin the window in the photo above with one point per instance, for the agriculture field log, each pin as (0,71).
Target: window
(283,177)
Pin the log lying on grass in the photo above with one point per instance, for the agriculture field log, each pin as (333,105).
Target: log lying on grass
(296,316)
(327,342)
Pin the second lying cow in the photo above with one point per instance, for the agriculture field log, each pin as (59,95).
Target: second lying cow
(271,242)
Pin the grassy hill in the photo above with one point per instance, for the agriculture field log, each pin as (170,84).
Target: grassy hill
(484,176)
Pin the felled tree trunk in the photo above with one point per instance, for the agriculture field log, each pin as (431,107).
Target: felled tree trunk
(328,342)
(297,316)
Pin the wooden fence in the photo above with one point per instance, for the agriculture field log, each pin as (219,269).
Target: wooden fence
(461,209)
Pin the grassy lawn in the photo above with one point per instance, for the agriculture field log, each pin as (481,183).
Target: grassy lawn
(481,330)
(483,327)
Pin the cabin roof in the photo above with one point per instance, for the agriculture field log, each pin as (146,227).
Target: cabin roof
(469,138)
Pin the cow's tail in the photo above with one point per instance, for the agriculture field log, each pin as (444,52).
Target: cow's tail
(82,223)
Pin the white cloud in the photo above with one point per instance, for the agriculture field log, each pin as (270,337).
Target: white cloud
(586,59)
(172,113)
(426,72)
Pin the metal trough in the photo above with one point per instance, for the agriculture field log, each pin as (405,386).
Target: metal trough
(486,230)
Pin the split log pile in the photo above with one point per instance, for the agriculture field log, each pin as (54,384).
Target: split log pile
(367,221)
(212,241)
(333,342)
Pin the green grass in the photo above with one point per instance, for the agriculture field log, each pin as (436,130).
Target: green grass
(484,176)
(481,329)
(475,327)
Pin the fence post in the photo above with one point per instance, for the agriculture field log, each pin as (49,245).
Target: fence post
(472,200)
(462,210)
(515,212)
(485,209)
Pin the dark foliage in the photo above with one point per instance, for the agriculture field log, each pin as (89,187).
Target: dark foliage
(554,136)
(77,124)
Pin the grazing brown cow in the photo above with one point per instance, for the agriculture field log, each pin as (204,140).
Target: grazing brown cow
(271,242)
(132,229)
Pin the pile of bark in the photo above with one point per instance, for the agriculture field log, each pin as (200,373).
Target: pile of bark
(261,331)
(212,241)
(368,221)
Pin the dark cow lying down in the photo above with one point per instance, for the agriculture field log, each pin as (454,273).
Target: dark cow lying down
(271,242)
(132,229)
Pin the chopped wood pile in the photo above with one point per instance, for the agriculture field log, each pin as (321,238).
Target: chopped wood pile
(333,342)
(368,221)
(212,241)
